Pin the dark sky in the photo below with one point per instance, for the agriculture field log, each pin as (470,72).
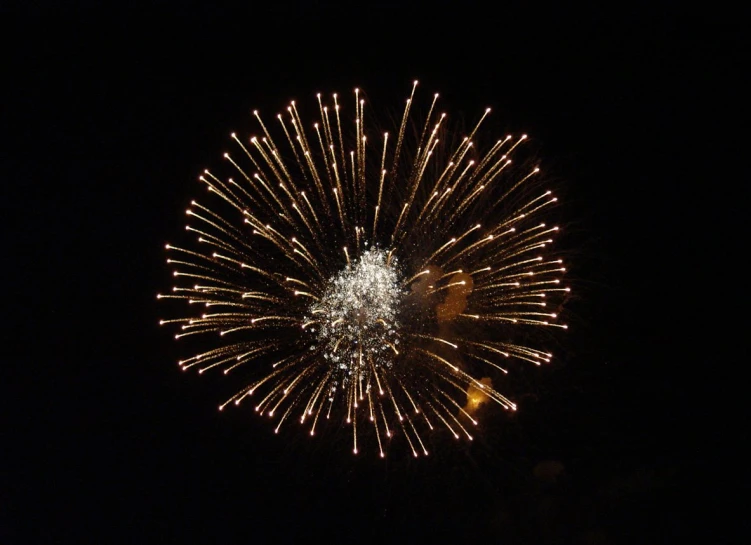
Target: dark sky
(110,116)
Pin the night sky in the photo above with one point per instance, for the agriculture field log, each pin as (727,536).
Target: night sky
(108,119)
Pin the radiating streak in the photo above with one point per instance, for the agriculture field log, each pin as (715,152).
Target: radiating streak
(459,407)
(419,439)
(400,137)
(447,286)
(445,422)
(453,417)
(492,363)
(380,183)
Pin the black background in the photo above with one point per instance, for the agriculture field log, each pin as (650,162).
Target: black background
(108,118)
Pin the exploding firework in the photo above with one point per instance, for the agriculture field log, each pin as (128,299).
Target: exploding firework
(382,281)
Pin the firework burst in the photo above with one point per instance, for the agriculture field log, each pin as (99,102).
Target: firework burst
(381,281)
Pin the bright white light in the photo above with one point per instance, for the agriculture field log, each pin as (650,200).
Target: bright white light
(357,315)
